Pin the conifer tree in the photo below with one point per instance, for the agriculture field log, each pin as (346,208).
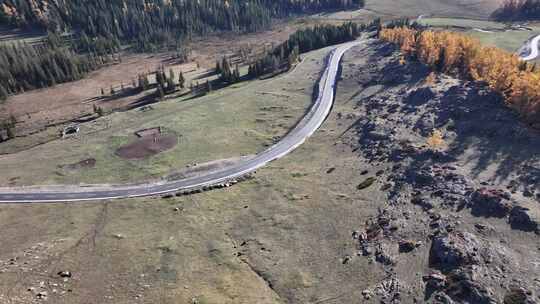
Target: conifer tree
(181,80)
(3,93)
(160,92)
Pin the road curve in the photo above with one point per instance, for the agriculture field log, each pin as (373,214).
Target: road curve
(304,129)
(532,46)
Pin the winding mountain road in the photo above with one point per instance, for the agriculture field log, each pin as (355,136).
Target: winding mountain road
(304,129)
(532,47)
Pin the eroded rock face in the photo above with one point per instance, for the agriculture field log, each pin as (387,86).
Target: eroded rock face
(519,295)
(490,203)
(462,287)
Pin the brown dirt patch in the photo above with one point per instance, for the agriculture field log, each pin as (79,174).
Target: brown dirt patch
(147,146)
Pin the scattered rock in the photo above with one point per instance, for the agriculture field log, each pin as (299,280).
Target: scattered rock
(462,288)
(423,202)
(366,293)
(407,246)
(435,280)
(518,295)
(42,295)
(64,274)
(420,96)
(346,260)
(365,184)
(383,257)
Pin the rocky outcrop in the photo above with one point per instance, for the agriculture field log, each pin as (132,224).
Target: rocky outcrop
(524,219)
(454,250)
(490,203)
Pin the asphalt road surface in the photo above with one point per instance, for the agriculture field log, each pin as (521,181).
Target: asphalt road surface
(530,48)
(304,129)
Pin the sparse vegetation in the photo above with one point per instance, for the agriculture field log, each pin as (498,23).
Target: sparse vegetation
(98,110)
(9,126)
(463,56)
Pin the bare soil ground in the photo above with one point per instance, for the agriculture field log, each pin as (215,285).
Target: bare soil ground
(147,146)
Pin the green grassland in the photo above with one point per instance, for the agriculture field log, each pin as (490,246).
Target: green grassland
(509,40)
(239,120)
(461,22)
(489,33)
(455,8)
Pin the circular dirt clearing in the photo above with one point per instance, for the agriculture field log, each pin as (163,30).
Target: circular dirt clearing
(147,146)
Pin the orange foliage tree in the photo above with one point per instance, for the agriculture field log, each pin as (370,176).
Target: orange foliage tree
(463,56)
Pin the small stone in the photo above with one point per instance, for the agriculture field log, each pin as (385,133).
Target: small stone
(422,202)
(64,274)
(480,226)
(435,280)
(42,295)
(366,293)
(407,246)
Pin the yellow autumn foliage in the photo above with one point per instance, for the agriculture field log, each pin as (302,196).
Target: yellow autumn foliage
(435,140)
(464,56)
